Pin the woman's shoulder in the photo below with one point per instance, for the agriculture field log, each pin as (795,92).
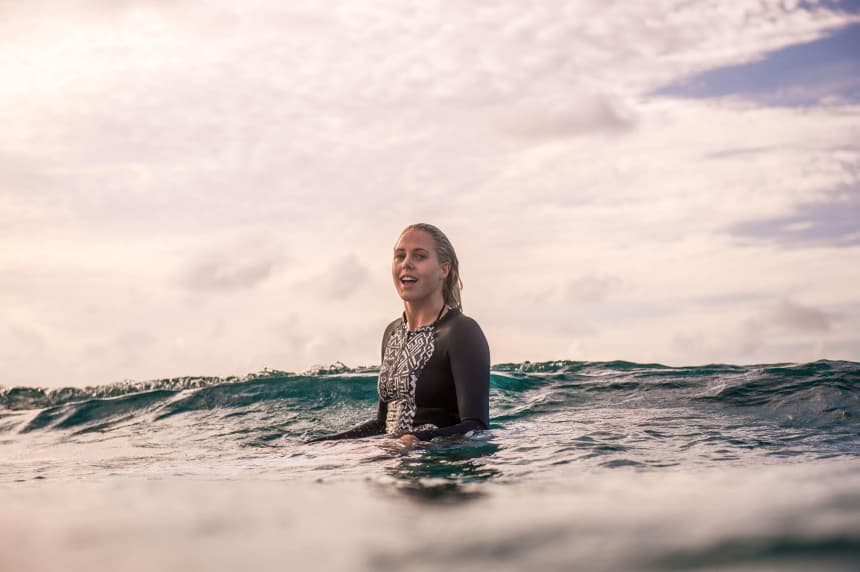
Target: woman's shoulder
(461,324)
(466,341)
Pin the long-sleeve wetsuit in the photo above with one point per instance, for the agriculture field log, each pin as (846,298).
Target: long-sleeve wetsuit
(433,381)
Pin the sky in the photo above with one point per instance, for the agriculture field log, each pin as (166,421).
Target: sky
(211,187)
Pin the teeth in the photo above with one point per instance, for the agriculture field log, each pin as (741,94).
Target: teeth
(408,279)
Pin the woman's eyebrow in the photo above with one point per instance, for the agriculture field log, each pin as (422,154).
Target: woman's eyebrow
(418,249)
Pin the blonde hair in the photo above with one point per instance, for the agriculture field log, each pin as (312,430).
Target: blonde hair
(445,253)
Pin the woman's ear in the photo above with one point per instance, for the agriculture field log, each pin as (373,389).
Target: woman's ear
(446,269)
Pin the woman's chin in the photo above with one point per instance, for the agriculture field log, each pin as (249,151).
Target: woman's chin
(409,296)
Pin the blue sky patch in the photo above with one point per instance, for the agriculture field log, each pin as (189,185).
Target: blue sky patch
(820,72)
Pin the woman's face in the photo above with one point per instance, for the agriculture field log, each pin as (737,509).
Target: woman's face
(416,270)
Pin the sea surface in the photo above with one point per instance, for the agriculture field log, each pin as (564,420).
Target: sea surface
(609,466)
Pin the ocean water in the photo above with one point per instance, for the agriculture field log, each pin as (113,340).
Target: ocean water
(609,466)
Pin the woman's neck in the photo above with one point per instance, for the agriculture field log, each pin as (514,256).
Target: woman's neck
(423,313)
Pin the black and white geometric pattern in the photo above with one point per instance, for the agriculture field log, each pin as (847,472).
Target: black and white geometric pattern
(406,354)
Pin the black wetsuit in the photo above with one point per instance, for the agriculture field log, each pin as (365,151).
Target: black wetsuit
(434,380)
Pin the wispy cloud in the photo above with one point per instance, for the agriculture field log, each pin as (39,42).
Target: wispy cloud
(594,288)
(343,279)
(239,264)
(783,317)
(799,317)
(833,220)
(225,275)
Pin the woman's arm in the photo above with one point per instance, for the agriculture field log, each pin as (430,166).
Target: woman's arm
(366,429)
(469,355)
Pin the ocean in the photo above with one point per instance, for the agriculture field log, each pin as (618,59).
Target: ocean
(609,466)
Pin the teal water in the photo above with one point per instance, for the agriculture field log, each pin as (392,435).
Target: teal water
(588,466)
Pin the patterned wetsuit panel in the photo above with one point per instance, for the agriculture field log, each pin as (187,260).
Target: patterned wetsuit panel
(406,354)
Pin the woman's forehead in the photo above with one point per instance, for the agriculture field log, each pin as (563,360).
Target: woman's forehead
(414,239)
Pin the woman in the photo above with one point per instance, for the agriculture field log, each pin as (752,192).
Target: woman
(435,373)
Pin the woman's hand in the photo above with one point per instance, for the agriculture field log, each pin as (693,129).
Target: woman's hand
(402,444)
(409,441)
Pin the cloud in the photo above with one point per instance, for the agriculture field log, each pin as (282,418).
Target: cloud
(324,343)
(240,263)
(129,348)
(798,317)
(28,339)
(223,275)
(342,280)
(732,298)
(591,289)
(575,115)
(294,332)
(780,319)
(135,339)
(833,221)
(779,331)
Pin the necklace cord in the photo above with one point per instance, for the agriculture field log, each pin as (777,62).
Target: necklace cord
(438,317)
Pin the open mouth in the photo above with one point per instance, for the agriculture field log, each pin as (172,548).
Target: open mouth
(408,280)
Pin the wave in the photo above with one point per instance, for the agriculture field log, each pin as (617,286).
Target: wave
(824,394)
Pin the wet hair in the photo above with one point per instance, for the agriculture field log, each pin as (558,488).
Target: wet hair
(445,253)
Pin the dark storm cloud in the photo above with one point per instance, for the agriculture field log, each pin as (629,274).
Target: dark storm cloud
(829,223)
(804,74)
